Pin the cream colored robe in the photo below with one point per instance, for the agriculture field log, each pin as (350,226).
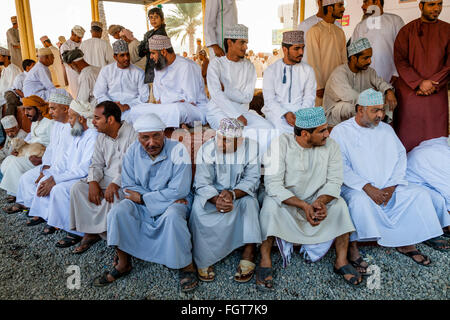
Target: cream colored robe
(326,50)
(343,88)
(105,168)
(306,174)
(57,69)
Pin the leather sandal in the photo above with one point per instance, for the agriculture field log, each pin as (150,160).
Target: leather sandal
(206,274)
(245,271)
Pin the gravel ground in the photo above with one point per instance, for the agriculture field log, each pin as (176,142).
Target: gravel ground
(33,268)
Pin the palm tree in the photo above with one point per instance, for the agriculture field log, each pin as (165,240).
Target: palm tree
(184,21)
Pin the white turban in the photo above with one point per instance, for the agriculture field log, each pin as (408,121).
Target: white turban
(84,109)
(148,123)
(9,122)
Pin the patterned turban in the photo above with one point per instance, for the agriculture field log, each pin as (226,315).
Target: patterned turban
(36,101)
(293,37)
(97,24)
(59,98)
(127,34)
(230,128)
(358,46)
(309,118)
(120,46)
(159,42)
(238,31)
(370,97)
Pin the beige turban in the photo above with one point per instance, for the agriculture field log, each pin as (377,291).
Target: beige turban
(78,31)
(84,109)
(114,28)
(44,52)
(62,39)
(9,122)
(4,52)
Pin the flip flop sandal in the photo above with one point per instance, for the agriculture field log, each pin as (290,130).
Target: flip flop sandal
(245,271)
(102,280)
(13,209)
(413,253)
(87,245)
(348,269)
(261,283)
(33,222)
(50,230)
(206,274)
(187,279)
(11,199)
(358,264)
(438,244)
(68,241)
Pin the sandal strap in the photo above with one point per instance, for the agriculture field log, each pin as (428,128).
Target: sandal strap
(263,272)
(348,269)
(246,266)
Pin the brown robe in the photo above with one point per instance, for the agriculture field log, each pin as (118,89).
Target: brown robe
(421,52)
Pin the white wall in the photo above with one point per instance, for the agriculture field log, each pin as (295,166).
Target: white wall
(408,12)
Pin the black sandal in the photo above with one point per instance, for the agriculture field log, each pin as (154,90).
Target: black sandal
(261,283)
(190,277)
(438,244)
(413,253)
(68,241)
(88,244)
(358,264)
(14,209)
(349,269)
(102,280)
(10,199)
(49,228)
(35,222)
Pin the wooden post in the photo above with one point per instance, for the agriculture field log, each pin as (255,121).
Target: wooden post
(27,46)
(302,10)
(94,10)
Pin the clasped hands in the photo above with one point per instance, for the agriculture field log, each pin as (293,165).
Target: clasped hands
(427,87)
(379,196)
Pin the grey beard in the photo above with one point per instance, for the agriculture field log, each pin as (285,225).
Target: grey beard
(77,129)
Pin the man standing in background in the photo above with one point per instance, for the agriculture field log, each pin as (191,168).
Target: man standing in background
(12,36)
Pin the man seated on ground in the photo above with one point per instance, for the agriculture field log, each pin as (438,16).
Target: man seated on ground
(121,82)
(289,84)
(225,211)
(348,80)
(429,167)
(87,74)
(178,87)
(150,224)
(38,80)
(92,198)
(13,167)
(231,84)
(60,140)
(302,205)
(14,95)
(12,131)
(383,206)
(9,74)
(52,199)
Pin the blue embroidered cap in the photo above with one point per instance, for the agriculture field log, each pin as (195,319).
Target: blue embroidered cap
(358,46)
(370,97)
(309,118)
